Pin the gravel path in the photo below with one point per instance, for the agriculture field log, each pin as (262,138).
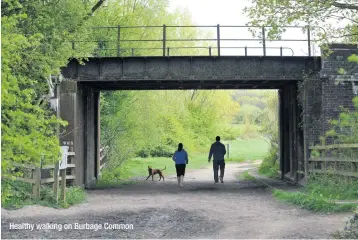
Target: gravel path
(235,209)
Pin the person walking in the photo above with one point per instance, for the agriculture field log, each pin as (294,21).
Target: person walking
(218,151)
(180,158)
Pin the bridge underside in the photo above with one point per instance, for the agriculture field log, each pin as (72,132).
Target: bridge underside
(80,96)
(187,85)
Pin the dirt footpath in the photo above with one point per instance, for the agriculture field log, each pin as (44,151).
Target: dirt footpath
(202,209)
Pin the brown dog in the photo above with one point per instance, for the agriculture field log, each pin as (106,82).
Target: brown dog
(152,172)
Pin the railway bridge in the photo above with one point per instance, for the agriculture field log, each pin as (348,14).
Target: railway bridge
(307,85)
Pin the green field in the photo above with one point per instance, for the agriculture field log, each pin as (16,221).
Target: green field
(240,150)
(247,149)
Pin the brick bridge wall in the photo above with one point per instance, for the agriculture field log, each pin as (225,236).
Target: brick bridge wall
(324,98)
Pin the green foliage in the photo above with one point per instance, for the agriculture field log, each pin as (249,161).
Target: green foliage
(28,129)
(146,13)
(353,58)
(314,202)
(332,186)
(270,118)
(20,195)
(156,121)
(270,165)
(75,195)
(15,194)
(249,113)
(322,15)
(35,44)
(345,129)
(321,192)
(269,128)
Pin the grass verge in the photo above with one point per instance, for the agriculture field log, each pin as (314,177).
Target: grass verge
(333,187)
(245,175)
(312,202)
(321,193)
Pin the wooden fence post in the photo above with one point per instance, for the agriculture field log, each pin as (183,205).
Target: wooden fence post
(324,165)
(63,184)
(36,186)
(354,167)
(55,183)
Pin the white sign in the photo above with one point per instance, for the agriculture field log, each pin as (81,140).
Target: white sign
(63,162)
(54,103)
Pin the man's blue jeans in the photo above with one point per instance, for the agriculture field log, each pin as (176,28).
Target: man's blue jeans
(216,165)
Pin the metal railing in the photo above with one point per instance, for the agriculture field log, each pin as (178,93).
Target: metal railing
(122,41)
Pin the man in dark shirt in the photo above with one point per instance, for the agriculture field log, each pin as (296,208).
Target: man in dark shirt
(218,151)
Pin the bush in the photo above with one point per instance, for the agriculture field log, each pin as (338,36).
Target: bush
(21,195)
(75,195)
(269,166)
(230,133)
(158,151)
(18,194)
(162,151)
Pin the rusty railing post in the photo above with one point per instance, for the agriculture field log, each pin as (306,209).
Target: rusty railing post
(309,40)
(264,40)
(164,38)
(118,39)
(218,38)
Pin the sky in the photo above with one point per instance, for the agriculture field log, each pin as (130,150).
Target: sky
(230,12)
(213,12)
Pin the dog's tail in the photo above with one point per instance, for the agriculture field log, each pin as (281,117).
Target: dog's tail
(164,168)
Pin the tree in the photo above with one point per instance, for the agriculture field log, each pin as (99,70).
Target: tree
(144,13)
(325,16)
(36,38)
(249,112)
